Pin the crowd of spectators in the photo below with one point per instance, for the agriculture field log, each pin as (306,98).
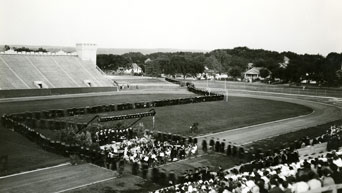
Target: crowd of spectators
(332,136)
(281,171)
(296,177)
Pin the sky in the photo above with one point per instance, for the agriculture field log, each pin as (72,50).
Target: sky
(302,26)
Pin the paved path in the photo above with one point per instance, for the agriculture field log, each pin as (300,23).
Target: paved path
(322,113)
(56,179)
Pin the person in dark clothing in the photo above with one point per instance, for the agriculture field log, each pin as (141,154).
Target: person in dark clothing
(135,167)
(121,166)
(222,146)
(217,146)
(211,144)
(204,145)
(229,150)
(144,169)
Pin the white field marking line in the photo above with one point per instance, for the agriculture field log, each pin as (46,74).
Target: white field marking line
(84,185)
(242,128)
(281,97)
(79,95)
(15,74)
(261,96)
(30,98)
(279,93)
(201,136)
(37,170)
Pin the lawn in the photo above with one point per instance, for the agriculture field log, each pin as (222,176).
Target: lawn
(66,103)
(211,116)
(24,155)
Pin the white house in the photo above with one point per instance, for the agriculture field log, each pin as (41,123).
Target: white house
(254,73)
(136,69)
(133,69)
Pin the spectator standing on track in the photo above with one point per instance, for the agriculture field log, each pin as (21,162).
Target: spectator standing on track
(121,166)
(204,145)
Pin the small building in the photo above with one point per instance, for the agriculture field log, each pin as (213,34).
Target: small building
(221,76)
(136,69)
(254,73)
(133,69)
(285,63)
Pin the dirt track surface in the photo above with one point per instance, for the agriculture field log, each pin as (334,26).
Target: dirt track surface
(58,179)
(322,113)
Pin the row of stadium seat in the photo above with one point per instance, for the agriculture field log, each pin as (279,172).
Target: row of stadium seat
(21,71)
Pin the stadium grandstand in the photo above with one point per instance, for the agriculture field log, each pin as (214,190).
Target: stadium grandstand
(30,70)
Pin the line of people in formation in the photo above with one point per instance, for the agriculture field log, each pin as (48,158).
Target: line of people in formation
(146,151)
(332,136)
(296,177)
(289,155)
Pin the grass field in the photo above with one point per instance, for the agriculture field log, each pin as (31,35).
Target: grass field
(211,116)
(56,179)
(24,155)
(38,105)
(125,184)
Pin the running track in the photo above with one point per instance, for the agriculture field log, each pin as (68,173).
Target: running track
(323,112)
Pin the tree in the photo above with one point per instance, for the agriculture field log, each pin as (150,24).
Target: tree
(235,72)
(264,73)
(332,64)
(339,76)
(111,62)
(6,47)
(42,50)
(135,57)
(180,64)
(212,63)
(153,68)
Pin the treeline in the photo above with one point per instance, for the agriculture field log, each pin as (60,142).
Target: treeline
(324,70)
(24,49)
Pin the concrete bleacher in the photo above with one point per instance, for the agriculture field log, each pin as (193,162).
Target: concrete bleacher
(23,71)
(8,79)
(52,72)
(76,70)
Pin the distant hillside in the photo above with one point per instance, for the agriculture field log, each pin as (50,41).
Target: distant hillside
(117,51)
(48,48)
(120,51)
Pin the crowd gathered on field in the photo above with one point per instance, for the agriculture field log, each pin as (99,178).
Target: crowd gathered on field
(142,150)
